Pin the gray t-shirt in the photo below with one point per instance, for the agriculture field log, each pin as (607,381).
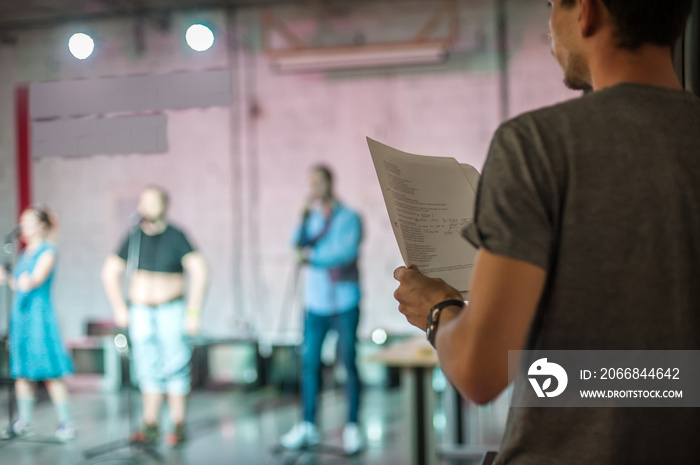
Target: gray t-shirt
(603,192)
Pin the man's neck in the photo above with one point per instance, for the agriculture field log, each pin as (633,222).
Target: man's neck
(155,227)
(650,65)
(327,204)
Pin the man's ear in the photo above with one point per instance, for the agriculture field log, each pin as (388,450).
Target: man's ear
(590,17)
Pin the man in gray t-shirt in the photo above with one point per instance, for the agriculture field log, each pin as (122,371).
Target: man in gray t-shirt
(588,223)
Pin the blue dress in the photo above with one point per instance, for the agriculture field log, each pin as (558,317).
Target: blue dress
(36,351)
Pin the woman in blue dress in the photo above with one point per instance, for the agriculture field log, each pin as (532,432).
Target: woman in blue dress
(36,351)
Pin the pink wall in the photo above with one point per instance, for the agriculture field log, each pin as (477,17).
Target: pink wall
(238,177)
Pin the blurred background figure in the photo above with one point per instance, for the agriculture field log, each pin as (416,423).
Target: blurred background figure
(36,349)
(327,241)
(159,314)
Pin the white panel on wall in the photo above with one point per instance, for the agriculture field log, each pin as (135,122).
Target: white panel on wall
(109,136)
(130,94)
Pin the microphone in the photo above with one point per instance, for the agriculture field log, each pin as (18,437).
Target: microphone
(121,341)
(9,239)
(12,234)
(308,206)
(135,219)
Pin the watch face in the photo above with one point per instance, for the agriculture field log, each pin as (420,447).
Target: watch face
(432,314)
(432,325)
(431,317)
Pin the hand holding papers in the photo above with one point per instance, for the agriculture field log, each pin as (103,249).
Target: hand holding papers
(429,201)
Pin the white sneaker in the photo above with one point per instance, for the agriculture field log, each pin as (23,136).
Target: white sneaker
(302,434)
(18,429)
(352,439)
(65,432)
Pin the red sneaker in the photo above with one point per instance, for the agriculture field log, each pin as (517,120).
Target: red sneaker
(177,436)
(147,435)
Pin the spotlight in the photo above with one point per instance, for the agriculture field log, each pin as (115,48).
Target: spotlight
(81,45)
(199,37)
(379,336)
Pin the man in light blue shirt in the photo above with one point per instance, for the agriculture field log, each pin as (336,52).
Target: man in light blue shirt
(327,242)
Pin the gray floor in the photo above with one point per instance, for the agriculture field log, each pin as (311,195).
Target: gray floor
(228,427)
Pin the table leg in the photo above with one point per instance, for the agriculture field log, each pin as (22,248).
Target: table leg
(419,400)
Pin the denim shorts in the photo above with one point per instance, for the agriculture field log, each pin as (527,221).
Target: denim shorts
(161,351)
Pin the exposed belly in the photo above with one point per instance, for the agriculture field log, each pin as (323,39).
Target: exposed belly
(155,288)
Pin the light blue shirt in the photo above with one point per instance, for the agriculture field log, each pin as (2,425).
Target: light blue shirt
(338,249)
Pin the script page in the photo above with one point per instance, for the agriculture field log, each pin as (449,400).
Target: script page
(429,201)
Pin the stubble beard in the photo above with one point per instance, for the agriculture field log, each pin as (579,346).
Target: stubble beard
(577,75)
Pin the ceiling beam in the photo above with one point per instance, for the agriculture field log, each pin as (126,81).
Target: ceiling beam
(57,20)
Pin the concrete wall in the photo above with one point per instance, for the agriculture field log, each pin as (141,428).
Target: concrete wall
(8,189)
(237,174)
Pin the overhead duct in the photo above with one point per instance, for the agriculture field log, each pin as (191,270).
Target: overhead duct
(420,50)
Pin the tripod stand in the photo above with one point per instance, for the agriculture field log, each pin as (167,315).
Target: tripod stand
(6,303)
(121,342)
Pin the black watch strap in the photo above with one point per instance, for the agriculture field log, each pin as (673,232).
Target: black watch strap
(434,317)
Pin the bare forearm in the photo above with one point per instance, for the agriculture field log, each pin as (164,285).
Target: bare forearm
(115,296)
(112,274)
(198,275)
(473,344)
(475,371)
(34,281)
(198,279)
(41,272)
(37,278)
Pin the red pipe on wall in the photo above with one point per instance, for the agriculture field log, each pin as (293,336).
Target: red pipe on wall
(24,157)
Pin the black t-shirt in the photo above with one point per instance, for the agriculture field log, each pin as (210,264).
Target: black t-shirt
(161,252)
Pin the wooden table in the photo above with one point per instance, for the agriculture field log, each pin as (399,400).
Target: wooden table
(417,359)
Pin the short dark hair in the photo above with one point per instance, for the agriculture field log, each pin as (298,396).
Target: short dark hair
(42,212)
(325,171)
(641,22)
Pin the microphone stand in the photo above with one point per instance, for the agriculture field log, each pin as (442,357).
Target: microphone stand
(292,288)
(6,305)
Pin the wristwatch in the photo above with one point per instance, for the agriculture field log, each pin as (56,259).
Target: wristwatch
(434,317)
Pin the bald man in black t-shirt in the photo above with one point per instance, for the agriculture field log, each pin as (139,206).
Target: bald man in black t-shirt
(159,315)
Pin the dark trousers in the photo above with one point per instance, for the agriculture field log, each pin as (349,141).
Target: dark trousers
(315,329)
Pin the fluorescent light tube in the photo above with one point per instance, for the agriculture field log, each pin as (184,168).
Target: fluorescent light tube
(365,56)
